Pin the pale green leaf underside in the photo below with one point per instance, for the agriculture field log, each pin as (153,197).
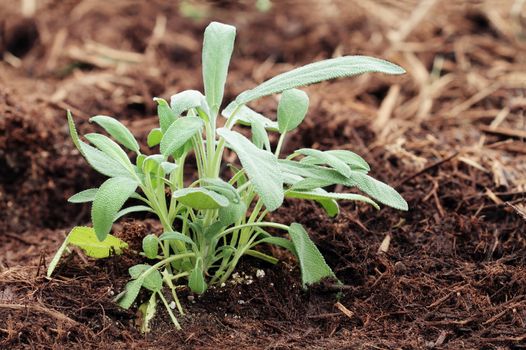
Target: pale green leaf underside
(319,71)
(169,236)
(108,201)
(102,162)
(111,149)
(118,131)
(200,198)
(261,167)
(330,195)
(312,264)
(218,45)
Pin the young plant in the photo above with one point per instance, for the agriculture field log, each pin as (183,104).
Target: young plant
(210,222)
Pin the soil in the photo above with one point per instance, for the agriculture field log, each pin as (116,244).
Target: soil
(449,135)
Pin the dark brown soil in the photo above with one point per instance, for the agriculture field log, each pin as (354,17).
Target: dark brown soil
(449,136)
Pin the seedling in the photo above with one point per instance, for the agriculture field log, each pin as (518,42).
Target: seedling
(210,222)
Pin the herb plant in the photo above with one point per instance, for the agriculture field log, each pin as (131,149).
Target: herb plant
(210,222)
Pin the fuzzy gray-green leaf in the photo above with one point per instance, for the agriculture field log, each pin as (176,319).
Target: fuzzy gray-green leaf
(319,71)
(218,45)
(166,115)
(84,196)
(200,198)
(261,167)
(312,264)
(327,158)
(182,130)
(292,109)
(108,201)
(118,131)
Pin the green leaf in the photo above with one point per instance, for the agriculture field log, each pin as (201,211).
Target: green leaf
(350,158)
(73,131)
(56,258)
(110,148)
(261,167)
(246,116)
(196,280)
(152,281)
(221,187)
(166,115)
(101,162)
(132,209)
(200,198)
(327,158)
(316,176)
(108,201)
(380,191)
(168,167)
(185,100)
(312,264)
(131,291)
(182,130)
(86,239)
(292,109)
(218,45)
(330,195)
(118,131)
(84,196)
(319,71)
(280,242)
(154,137)
(147,311)
(177,236)
(260,136)
(150,246)
(232,213)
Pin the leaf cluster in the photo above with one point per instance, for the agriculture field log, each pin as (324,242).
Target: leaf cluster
(219,215)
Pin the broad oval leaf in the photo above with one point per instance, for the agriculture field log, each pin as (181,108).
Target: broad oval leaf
(292,109)
(86,239)
(261,167)
(84,196)
(312,264)
(218,45)
(150,246)
(108,201)
(182,130)
(232,213)
(327,158)
(166,116)
(200,198)
(319,71)
(118,131)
